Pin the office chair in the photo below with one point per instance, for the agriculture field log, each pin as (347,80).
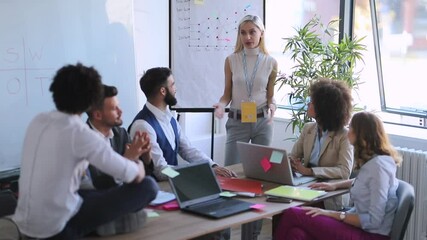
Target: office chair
(406,195)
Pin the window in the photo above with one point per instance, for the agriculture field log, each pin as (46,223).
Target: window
(397,47)
(281,17)
(398,91)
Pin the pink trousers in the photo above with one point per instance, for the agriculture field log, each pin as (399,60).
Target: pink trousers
(295,224)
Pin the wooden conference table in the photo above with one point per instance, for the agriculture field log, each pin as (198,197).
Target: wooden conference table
(179,225)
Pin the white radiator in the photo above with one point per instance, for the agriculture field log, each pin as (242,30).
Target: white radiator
(414,171)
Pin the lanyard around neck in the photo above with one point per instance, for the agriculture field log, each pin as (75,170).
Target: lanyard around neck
(250,82)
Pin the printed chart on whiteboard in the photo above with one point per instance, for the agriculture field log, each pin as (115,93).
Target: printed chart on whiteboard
(203,34)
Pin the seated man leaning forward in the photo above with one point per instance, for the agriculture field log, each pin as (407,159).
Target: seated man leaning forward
(105,118)
(57,149)
(165,133)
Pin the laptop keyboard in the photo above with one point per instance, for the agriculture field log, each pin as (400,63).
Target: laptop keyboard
(303,179)
(219,205)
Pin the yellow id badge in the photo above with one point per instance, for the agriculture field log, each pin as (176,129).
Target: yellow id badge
(248,112)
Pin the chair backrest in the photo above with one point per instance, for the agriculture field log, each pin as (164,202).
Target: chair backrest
(406,195)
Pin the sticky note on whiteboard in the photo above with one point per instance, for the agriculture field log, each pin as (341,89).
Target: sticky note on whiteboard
(199,2)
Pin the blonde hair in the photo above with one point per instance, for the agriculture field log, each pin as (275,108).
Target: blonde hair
(259,24)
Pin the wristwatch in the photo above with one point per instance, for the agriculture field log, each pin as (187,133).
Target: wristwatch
(342,216)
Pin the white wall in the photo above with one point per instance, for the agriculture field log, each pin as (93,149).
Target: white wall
(151,37)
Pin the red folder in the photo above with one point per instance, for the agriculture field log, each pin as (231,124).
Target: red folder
(240,185)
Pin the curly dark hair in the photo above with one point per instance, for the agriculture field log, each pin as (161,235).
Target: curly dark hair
(75,88)
(332,103)
(371,139)
(153,79)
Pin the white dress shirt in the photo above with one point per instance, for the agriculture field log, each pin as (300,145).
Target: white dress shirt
(57,149)
(186,150)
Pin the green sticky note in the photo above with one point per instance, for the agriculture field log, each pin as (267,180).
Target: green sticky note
(152,214)
(170,172)
(227,194)
(199,2)
(276,157)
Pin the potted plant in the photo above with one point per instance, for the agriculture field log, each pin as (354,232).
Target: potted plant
(317,55)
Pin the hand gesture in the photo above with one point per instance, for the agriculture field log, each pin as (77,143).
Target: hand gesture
(141,172)
(146,156)
(271,110)
(323,186)
(297,166)
(224,172)
(219,110)
(140,145)
(317,211)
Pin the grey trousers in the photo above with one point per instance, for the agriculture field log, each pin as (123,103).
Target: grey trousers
(260,132)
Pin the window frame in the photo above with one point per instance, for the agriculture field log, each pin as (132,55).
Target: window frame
(384,108)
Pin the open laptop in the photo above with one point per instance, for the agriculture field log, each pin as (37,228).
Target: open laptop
(251,156)
(197,191)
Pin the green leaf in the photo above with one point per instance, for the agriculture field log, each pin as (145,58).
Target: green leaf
(314,58)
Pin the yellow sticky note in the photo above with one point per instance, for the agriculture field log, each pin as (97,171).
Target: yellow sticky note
(276,157)
(170,172)
(227,194)
(199,2)
(248,112)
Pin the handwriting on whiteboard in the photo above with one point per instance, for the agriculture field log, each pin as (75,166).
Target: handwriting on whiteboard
(21,72)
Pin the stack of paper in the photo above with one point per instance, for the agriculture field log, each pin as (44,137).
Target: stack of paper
(162,197)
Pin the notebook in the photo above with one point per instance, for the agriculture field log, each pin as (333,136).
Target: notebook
(240,185)
(197,191)
(268,164)
(162,197)
(298,193)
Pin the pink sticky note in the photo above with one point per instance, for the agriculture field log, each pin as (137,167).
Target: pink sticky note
(173,205)
(266,164)
(258,206)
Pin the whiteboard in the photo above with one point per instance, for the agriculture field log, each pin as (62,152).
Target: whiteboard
(203,34)
(39,37)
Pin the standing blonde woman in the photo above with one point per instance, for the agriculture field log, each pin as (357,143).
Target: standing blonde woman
(250,74)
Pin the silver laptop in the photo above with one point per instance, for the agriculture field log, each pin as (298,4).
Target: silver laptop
(197,191)
(251,156)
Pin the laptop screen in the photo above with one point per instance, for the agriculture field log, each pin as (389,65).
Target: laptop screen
(195,183)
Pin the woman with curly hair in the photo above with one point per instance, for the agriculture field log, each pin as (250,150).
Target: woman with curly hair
(323,150)
(373,192)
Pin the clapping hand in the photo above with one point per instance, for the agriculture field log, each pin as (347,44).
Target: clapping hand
(140,146)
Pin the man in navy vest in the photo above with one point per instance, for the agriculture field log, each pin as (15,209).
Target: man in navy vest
(164,132)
